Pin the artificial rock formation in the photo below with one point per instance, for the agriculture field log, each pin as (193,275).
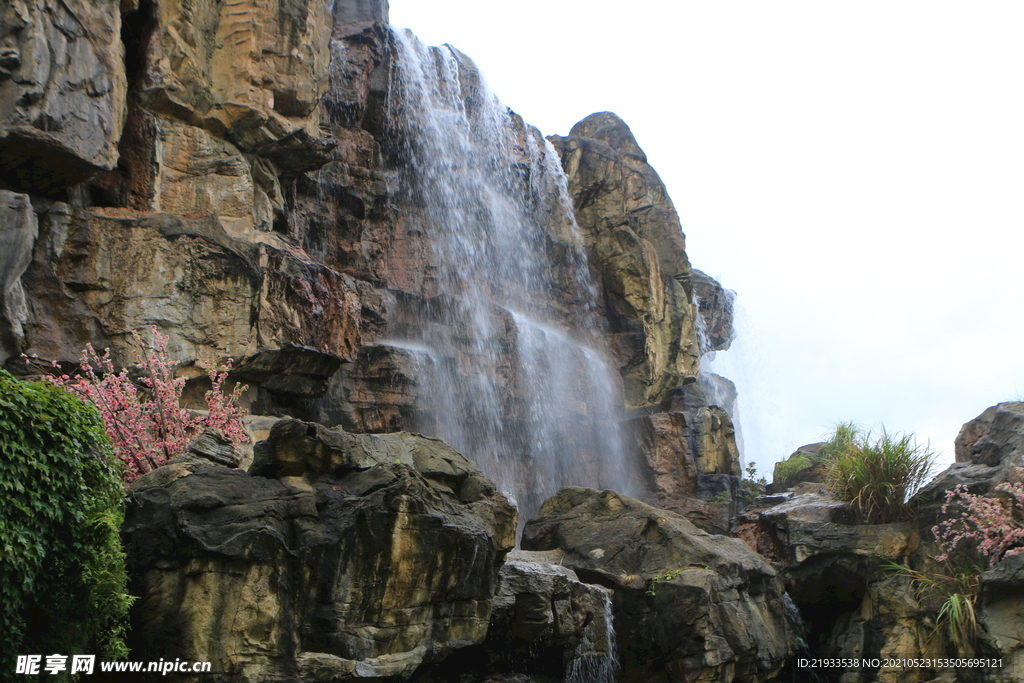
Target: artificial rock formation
(633,232)
(237,181)
(717,609)
(239,177)
(341,557)
(856,603)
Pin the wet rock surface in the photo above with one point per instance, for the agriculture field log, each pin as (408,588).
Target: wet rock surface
(363,557)
(717,606)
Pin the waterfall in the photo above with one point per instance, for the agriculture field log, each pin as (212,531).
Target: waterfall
(517,378)
(596,669)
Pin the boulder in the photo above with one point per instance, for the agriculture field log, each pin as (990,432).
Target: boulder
(692,606)
(804,465)
(358,556)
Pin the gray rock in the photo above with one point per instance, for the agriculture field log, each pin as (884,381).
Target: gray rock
(62,92)
(18,231)
(717,605)
(382,554)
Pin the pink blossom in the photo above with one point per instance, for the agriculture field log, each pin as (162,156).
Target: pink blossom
(148,426)
(987,523)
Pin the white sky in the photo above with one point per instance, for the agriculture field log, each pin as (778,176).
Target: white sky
(855,171)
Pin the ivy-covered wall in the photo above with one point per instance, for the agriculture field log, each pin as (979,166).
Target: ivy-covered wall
(62,570)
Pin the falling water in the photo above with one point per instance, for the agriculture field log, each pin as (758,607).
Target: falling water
(531,400)
(596,669)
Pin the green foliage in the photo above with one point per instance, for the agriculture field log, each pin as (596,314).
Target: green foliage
(752,485)
(790,466)
(956,623)
(879,476)
(661,578)
(62,570)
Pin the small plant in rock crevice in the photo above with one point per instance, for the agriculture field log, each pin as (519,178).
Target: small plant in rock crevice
(143,417)
(661,578)
(956,622)
(752,485)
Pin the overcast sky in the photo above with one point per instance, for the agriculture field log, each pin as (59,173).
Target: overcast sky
(854,171)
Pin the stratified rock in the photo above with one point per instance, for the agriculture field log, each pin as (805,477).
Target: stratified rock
(18,231)
(62,92)
(367,557)
(714,304)
(633,236)
(249,73)
(545,625)
(215,448)
(717,606)
(214,296)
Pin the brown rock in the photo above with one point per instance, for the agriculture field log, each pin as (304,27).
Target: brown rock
(367,557)
(717,607)
(250,73)
(633,235)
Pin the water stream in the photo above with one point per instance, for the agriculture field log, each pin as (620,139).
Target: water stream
(517,378)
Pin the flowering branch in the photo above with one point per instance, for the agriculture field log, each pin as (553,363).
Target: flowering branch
(989,524)
(148,426)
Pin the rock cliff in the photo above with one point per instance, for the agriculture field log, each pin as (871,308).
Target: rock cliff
(268,183)
(332,205)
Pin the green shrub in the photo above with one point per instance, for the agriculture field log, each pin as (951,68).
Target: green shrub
(62,569)
(877,477)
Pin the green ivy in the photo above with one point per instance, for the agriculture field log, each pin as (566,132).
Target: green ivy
(62,567)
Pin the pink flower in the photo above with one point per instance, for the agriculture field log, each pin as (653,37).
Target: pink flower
(147,425)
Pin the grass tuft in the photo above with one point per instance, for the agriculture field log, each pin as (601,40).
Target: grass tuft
(878,477)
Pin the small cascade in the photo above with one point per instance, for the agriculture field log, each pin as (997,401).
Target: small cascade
(798,627)
(703,340)
(596,668)
(531,400)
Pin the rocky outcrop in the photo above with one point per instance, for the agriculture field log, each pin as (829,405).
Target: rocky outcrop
(806,464)
(843,576)
(689,458)
(714,304)
(545,626)
(634,238)
(694,606)
(342,556)
(62,92)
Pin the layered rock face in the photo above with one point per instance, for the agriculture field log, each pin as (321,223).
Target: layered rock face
(857,604)
(333,206)
(341,556)
(696,607)
(272,183)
